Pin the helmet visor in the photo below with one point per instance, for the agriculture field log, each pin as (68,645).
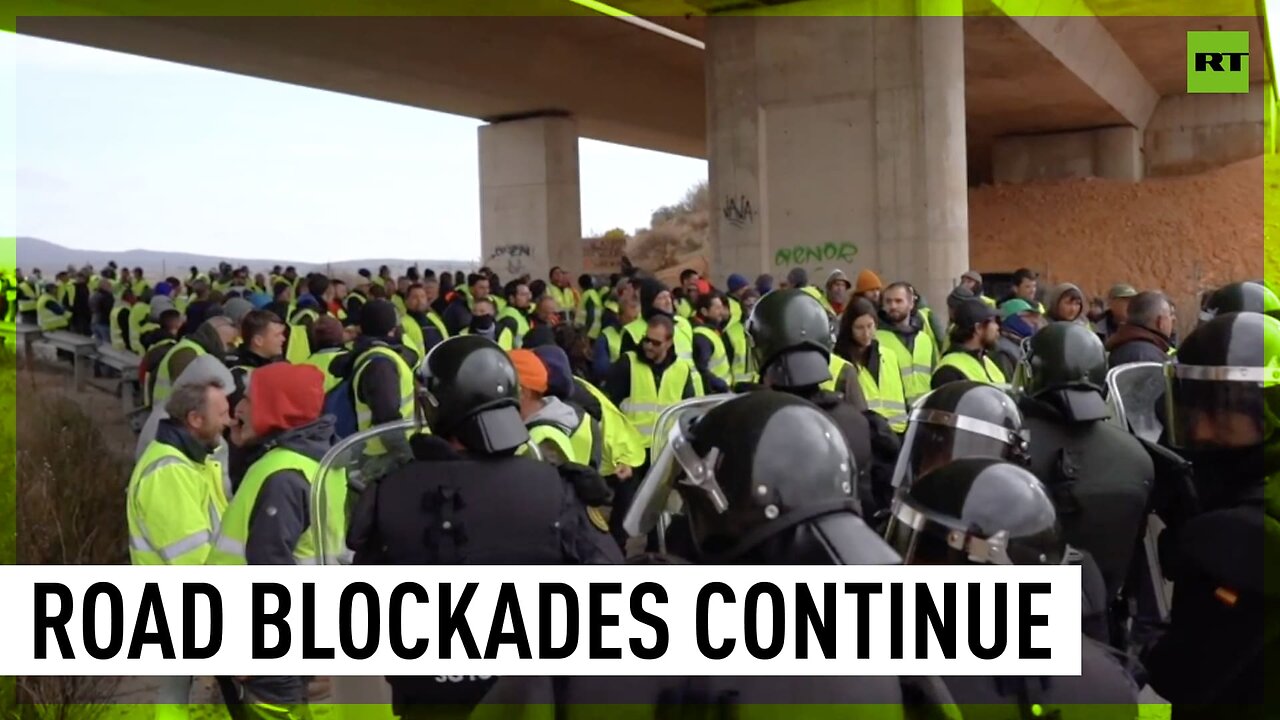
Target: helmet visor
(923,540)
(674,460)
(934,438)
(1217,407)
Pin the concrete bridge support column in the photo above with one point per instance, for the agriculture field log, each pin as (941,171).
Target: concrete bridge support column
(839,143)
(530,208)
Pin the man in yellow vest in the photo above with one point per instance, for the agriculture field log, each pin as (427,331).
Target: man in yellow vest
(712,353)
(423,326)
(590,314)
(380,370)
(560,289)
(176,498)
(974,334)
(608,348)
(213,337)
(902,332)
(656,299)
(262,343)
(513,321)
(563,432)
(971,280)
(50,312)
(645,383)
(686,296)
(268,521)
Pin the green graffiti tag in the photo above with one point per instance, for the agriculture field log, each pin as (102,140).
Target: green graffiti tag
(818,253)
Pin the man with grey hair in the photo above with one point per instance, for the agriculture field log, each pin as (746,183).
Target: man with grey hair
(1145,335)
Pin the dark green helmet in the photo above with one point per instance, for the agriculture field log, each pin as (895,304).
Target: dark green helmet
(1240,297)
(977,510)
(469,391)
(1062,356)
(791,338)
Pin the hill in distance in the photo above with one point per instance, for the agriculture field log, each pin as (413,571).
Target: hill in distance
(51,257)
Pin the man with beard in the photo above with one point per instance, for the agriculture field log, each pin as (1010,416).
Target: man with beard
(902,331)
(973,340)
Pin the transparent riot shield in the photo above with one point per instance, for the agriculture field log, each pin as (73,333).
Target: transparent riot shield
(1134,391)
(654,501)
(346,470)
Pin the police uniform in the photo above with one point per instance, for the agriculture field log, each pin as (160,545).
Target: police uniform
(1008,519)
(756,506)
(473,506)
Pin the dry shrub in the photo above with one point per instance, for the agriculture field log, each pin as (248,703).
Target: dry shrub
(70,511)
(64,698)
(71,487)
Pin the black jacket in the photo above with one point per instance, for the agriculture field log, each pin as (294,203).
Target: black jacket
(1135,343)
(282,510)
(449,507)
(379,386)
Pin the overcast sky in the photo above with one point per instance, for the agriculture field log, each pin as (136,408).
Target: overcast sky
(117,152)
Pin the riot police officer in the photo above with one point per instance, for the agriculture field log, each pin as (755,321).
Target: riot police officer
(987,511)
(467,498)
(1099,476)
(1240,297)
(791,339)
(958,420)
(764,478)
(1223,399)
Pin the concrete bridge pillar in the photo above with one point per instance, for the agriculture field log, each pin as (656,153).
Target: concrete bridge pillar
(530,208)
(839,143)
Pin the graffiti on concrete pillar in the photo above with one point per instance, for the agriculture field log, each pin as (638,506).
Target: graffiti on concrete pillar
(738,211)
(843,252)
(515,256)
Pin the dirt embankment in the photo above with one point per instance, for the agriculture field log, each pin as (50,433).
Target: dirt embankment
(1180,235)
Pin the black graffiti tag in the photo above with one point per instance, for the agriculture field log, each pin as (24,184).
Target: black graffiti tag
(817,253)
(514,254)
(738,211)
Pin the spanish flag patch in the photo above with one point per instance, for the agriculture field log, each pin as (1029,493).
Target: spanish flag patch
(1226,596)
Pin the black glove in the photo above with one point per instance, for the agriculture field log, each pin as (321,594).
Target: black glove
(591,489)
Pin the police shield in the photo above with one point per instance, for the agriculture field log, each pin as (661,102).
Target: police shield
(653,496)
(350,467)
(1134,392)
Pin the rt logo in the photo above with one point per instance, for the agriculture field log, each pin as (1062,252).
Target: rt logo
(1217,62)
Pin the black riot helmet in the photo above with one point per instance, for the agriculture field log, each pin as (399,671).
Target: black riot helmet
(791,339)
(1240,297)
(469,391)
(1224,391)
(1065,361)
(763,478)
(976,510)
(959,420)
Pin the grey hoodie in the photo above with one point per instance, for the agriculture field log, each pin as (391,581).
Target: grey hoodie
(203,369)
(557,413)
(1055,293)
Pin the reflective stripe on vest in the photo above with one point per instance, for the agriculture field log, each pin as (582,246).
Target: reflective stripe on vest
(164,532)
(718,364)
(885,397)
(582,446)
(505,336)
(364,414)
(646,402)
(164,383)
(916,365)
(986,372)
(229,546)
